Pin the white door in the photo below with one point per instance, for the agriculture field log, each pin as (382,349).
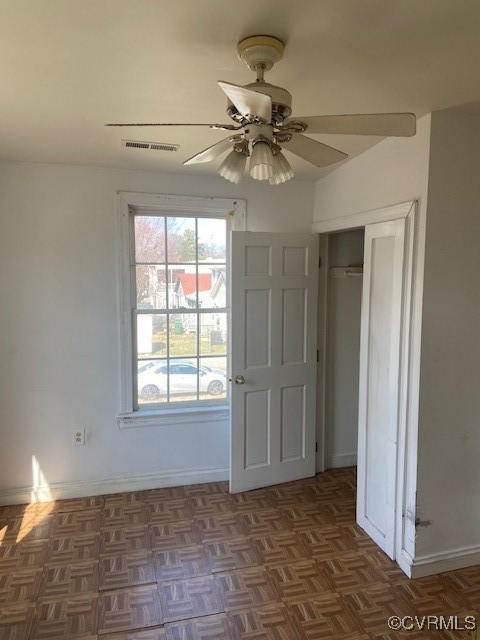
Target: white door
(379,380)
(273,358)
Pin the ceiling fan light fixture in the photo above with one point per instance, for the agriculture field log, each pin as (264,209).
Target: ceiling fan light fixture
(261,161)
(282,171)
(233,167)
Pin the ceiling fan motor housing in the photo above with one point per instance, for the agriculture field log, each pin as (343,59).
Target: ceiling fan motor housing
(253,132)
(281,102)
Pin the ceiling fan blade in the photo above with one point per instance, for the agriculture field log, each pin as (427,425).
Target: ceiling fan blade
(212,152)
(226,127)
(248,102)
(363,124)
(319,154)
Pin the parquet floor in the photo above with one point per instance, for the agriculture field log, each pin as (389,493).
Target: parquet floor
(195,563)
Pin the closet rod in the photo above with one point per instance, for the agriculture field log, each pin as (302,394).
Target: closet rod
(346,272)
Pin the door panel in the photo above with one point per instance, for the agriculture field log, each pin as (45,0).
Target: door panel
(257,428)
(257,327)
(257,260)
(294,261)
(293,423)
(293,329)
(379,380)
(273,358)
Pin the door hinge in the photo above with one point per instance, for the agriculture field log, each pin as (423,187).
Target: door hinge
(316,447)
(318,355)
(319,262)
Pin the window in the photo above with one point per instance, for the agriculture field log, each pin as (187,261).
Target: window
(180,308)
(174,329)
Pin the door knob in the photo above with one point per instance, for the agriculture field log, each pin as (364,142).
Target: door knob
(239,380)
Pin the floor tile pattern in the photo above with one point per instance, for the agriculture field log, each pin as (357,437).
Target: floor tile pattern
(196,563)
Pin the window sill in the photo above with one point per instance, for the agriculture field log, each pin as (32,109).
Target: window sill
(173,417)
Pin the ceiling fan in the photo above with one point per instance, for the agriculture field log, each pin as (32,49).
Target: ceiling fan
(263,127)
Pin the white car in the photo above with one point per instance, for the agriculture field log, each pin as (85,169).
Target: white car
(152,381)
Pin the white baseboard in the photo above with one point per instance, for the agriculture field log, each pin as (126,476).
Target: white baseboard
(61,490)
(339,460)
(450,560)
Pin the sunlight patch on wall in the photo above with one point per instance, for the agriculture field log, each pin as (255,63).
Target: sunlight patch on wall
(41,503)
(40,489)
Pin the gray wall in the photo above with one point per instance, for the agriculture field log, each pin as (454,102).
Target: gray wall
(449,420)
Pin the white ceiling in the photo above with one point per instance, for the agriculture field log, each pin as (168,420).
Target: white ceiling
(68,66)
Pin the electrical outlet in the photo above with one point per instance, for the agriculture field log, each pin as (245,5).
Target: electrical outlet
(79,437)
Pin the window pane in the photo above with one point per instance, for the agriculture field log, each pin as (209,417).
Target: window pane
(183,334)
(211,239)
(213,333)
(151,335)
(213,378)
(212,286)
(152,381)
(183,380)
(181,239)
(151,287)
(182,286)
(180,268)
(149,238)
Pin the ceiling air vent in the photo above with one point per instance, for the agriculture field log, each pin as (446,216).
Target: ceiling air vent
(152,146)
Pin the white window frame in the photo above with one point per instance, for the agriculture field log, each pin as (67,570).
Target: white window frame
(128,204)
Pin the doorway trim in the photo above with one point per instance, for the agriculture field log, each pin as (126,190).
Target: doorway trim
(409,366)
(356,220)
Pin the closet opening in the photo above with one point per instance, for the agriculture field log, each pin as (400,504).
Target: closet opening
(342,356)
